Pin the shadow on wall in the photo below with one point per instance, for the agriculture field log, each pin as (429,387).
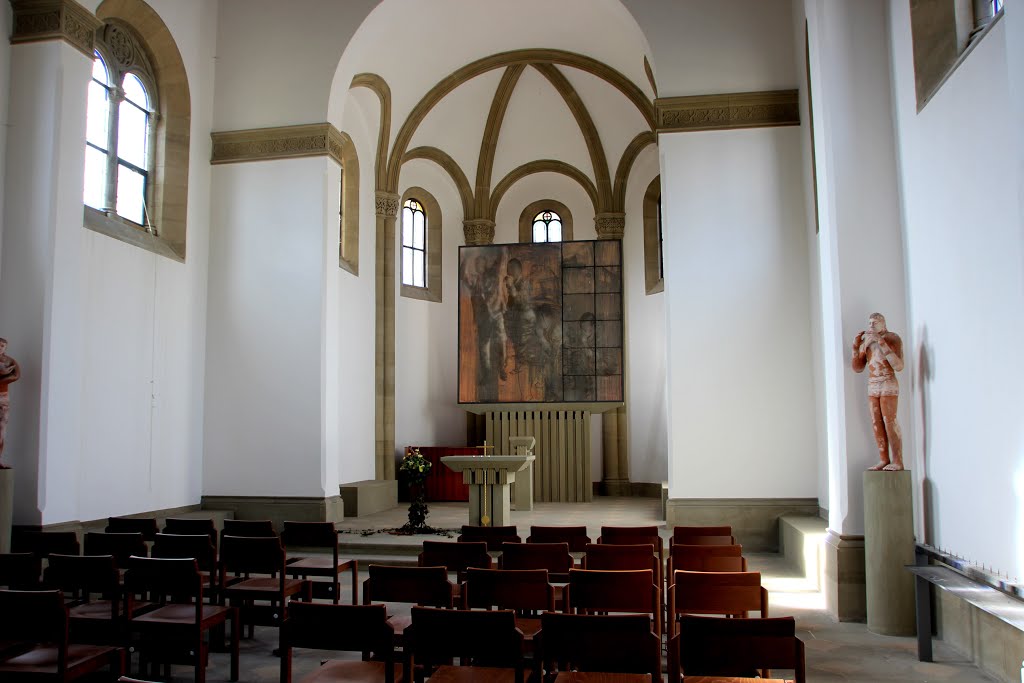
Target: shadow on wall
(925,375)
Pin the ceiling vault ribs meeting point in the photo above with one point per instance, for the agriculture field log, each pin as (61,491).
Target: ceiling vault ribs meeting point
(497,61)
(379,86)
(587,128)
(629,155)
(542,166)
(489,142)
(445,161)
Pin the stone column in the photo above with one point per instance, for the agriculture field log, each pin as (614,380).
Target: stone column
(387,211)
(615,450)
(478,231)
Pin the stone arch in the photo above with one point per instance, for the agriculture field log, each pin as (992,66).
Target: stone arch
(444,160)
(532,209)
(348,237)
(541,166)
(380,88)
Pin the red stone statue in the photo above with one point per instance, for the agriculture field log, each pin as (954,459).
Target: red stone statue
(881,351)
(9,372)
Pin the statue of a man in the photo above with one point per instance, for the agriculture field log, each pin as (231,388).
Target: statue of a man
(9,372)
(881,351)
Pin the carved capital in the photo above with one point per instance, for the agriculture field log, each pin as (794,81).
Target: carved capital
(728,111)
(610,226)
(37,20)
(282,142)
(478,231)
(387,203)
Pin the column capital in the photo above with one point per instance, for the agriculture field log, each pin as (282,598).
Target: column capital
(610,225)
(38,20)
(478,231)
(386,203)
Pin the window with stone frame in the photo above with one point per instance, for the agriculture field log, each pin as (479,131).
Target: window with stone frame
(547,227)
(654,252)
(414,244)
(420,231)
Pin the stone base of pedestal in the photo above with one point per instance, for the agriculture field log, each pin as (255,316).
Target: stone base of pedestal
(6,508)
(888,547)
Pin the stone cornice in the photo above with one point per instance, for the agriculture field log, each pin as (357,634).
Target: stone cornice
(38,20)
(283,142)
(729,111)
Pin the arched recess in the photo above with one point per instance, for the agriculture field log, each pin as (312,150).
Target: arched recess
(653,254)
(541,166)
(380,88)
(348,238)
(171,148)
(629,155)
(453,169)
(531,211)
(432,292)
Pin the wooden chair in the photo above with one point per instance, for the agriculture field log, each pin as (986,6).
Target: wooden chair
(248,527)
(258,568)
(20,571)
(633,535)
(190,526)
(614,557)
(35,625)
(733,594)
(97,611)
(146,526)
(488,645)
(706,558)
(120,545)
(575,536)
(174,631)
(710,650)
(554,557)
(410,585)
(618,643)
(42,543)
(494,536)
(353,628)
(634,591)
(201,548)
(526,591)
(455,557)
(701,535)
(319,535)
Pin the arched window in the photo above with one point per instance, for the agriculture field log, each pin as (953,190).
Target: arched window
(546,220)
(654,255)
(348,239)
(414,244)
(421,245)
(120,122)
(547,227)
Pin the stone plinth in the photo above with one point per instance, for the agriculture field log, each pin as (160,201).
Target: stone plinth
(888,547)
(6,508)
(489,478)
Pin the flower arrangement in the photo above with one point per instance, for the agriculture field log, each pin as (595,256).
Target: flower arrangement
(414,468)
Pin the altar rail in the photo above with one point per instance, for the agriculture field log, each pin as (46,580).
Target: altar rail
(561,473)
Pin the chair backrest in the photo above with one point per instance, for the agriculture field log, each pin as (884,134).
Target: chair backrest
(36,617)
(553,557)
(83,575)
(252,555)
(416,585)
(619,643)
(494,536)
(488,639)
(164,578)
(456,557)
(515,589)
(42,543)
(733,593)
(706,558)
(350,628)
(189,526)
(629,535)
(616,556)
(197,546)
(121,545)
(309,535)
(707,646)
(575,536)
(20,571)
(248,527)
(615,591)
(146,526)
(680,534)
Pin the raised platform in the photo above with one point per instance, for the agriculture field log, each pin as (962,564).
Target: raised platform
(367,497)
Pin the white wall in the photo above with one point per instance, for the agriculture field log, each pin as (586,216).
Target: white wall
(740,394)
(6,20)
(960,175)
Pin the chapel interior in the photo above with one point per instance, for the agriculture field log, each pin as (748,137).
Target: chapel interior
(211,280)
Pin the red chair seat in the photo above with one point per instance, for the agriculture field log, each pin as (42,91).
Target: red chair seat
(472,674)
(264,585)
(181,613)
(335,670)
(43,659)
(732,679)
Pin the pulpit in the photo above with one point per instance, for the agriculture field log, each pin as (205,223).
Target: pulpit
(489,478)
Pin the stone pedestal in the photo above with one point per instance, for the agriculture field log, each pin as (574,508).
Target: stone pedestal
(888,547)
(6,508)
(489,478)
(522,490)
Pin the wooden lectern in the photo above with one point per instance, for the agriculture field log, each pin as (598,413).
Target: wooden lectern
(489,477)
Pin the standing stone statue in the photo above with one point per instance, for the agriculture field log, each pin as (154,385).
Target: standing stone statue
(881,351)
(9,372)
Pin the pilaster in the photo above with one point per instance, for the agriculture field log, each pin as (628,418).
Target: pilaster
(386,213)
(611,225)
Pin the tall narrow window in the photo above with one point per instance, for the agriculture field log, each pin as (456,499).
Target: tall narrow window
(414,244)
(97,140)
(654,239)
(547,227)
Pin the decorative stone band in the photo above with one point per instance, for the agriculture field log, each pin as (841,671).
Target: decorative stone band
(731,110)
(283,142)
(37,20)
(478,231)
(610,226)
(386,203)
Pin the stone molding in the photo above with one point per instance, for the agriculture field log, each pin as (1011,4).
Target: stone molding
(38,20)
(478,231)
(281,142)
(728,111)
(386,203)
(610,225)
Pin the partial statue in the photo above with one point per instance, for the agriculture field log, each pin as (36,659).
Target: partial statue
(881,351)
(9,372)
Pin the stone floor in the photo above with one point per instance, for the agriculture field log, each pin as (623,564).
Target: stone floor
(835,651)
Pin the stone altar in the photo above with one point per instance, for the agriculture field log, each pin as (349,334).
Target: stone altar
(489,478)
